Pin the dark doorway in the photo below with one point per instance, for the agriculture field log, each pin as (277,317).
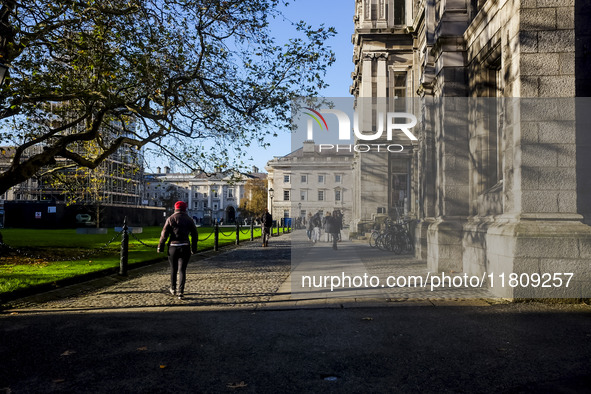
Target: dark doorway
(230,214)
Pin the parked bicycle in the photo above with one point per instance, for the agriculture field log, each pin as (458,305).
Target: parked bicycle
(395,238)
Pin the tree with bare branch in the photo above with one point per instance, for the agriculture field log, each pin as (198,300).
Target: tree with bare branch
(196,80)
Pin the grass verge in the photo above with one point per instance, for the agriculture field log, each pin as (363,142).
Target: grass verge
(45,257)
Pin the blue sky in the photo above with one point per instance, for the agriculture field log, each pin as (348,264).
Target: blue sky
(336,13)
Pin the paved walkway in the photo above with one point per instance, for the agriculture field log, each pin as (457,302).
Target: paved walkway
(253,277)
(241,330)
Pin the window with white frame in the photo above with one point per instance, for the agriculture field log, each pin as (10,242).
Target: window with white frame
(286,178)
(337,195)
(304,178)
(337,178)
(230,193)
(303,195)
(399,90)
(286,195)
(320,178)
(320,195)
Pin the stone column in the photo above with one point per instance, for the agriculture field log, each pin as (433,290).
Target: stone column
(382,78)
(444,237)
(382,22)
(366,77)
(452,186)
(363,105)
(427,180)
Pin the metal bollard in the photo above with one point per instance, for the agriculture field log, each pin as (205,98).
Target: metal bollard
(277,223)
(216,237)
(252,230)
(124,249)
(237,233)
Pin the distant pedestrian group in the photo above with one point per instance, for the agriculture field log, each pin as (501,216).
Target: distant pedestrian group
(331,223)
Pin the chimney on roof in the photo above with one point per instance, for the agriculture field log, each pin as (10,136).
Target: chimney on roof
(158,169)
(167,170)
(255,169)
(308,147)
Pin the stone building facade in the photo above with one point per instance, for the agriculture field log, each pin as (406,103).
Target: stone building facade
(310,180)
(497,175)
(209,197)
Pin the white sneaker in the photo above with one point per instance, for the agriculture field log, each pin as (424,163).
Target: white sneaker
(172,291)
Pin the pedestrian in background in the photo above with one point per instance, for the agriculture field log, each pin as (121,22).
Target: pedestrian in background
(267,223)
(331,227)
(316,223)
(325,226)
(335,228)
(179,226)
(339,217)
(309,227)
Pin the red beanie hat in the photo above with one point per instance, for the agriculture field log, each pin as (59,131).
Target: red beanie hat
(180,206)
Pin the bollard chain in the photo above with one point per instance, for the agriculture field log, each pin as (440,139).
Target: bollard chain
(143,243)
(224,234)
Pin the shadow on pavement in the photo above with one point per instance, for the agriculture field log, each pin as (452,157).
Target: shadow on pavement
(503,348)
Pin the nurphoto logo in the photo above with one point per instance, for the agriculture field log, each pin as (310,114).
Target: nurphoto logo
(395,122)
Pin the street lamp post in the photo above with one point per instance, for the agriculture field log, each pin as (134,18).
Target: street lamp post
(271,195)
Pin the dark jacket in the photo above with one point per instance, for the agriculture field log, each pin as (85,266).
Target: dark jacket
(316,221)
(267,219)
(179,226)
(331,226)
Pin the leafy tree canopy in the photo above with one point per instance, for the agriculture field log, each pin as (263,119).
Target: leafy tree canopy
(167,75)
(255,197)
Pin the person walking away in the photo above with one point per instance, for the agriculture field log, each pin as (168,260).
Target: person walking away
(309,227)
(331,228)
(339,223)
(267,223)
(325,226)
(316,222)
(178,227)
(336,229)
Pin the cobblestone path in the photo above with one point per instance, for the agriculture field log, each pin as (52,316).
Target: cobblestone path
(246,276)
(252,277)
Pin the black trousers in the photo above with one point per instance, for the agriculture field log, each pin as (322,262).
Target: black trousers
(335,238)
(266,234)
(178,258)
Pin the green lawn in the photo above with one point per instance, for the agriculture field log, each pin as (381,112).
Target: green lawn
(77,254)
